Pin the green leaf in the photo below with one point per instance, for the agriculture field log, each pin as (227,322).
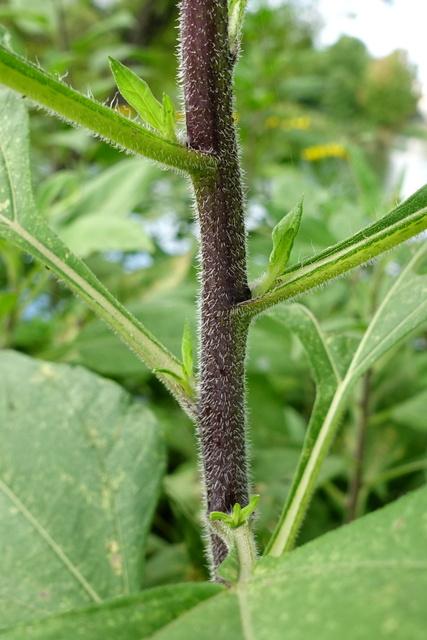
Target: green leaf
(364,581)
(131,618)
(97,232)
(138,94)
(283,237)
(116,191)
(236,14)
(169,119)
(411,413)
(21,225)
(75,452)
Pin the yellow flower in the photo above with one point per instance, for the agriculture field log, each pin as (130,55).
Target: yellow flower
(329,150)
(272,122)
(287,124)
(301,123)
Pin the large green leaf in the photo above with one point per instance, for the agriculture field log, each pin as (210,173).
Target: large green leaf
(365,581)
(81,465)
(132,618)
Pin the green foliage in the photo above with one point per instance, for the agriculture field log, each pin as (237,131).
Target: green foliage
(138,94)
(283,236)
(341,575)
(239,515)
(389,81)
(73,535)
(83,474)
(403,309)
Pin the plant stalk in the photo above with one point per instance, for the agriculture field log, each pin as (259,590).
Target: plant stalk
(361,433)
(207,72)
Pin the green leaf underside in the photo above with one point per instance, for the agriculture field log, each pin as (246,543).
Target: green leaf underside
(405,221)
(31,81)
(366,580)
(75,452)
(21,225)
(402,310)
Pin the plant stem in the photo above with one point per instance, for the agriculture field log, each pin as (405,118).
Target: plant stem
(246,551)
(207,71)
(362,413)
(361,427)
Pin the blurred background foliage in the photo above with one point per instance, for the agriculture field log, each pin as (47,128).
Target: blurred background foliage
(316,121)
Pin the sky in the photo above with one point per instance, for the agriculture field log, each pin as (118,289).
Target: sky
(383,26)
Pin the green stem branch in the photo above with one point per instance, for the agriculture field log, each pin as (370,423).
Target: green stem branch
(402,223)
(34,83)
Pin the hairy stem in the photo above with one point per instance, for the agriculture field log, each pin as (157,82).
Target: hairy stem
(207,70)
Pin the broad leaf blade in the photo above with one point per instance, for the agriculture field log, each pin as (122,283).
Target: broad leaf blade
(75,453)
(364,581)
(132,618)
(137,92)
